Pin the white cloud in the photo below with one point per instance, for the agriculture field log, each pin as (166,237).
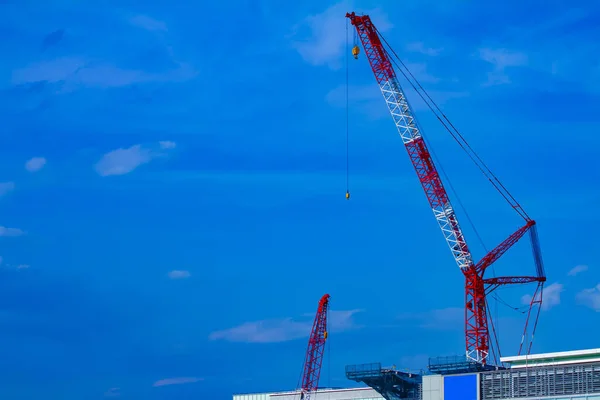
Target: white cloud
(6,187)
(4,231)
(112,392)
(176,381)
(166,144)
(577,270)
(550,296)
(178,274)
(125,160)
(22,266)
(501,59)
(590,298)
(449,318)
(284,329)
(419,47)
(35,164)
(148,23)
(75,72)
(326,40)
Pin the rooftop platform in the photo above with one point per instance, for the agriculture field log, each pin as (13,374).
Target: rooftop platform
(553,359)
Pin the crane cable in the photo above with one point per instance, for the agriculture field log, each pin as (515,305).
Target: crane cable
(347,120)
(473,155)
(457,136)
(506,194)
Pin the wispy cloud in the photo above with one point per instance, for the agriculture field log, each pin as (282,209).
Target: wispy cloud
(419,47)
(577,270)
(419,71)
(4,231)
(284,329)
(112,392)
(35,164)
(148,23)
(590,298)
(179,274)
(74,72)
(550,296)
(6,187)
(166,144)
(124,160)
(176,381)
(321,39)
(449,318)
(501,59)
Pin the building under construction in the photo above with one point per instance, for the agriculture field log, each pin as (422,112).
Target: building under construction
(569,375)
(481,374)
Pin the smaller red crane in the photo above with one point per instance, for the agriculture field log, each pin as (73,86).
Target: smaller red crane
(315,350)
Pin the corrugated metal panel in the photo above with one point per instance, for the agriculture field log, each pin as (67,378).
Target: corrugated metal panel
(460,387)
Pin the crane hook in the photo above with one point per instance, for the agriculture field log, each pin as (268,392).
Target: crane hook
(355,51)
(347,195)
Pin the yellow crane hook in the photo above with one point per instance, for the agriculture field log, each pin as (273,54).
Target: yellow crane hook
(347,195)
(355,51)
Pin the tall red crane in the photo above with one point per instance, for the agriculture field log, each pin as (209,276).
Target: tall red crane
(315,351)
(477,287)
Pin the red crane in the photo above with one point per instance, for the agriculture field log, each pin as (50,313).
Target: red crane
(477,287)
(315,350)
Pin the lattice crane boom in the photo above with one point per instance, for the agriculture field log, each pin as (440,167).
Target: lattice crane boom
(315,351)
(476,287)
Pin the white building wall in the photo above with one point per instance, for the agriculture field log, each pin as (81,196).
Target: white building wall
(259,396)
(433,387)
(325,394)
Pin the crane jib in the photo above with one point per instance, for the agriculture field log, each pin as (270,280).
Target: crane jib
(476,322)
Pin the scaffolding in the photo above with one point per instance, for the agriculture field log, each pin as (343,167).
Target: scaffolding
(457,365)
(392,384)
(541,381)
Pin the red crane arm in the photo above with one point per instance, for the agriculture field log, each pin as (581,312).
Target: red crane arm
(315,350)
(411,137)
(476,320)
(502,248)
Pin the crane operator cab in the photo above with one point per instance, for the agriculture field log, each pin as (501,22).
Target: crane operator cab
(355,52)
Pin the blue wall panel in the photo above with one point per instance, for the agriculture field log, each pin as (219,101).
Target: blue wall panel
(460,387)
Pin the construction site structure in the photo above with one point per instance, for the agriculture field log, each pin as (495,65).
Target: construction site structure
(567,375)
(315,351)
(477,287)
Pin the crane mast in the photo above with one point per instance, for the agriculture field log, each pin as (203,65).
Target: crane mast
(315,351)
(476,320)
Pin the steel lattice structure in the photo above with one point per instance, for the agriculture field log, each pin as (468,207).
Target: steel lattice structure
(476,286)
(315,350)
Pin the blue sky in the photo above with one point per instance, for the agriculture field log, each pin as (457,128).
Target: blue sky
(172,189)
